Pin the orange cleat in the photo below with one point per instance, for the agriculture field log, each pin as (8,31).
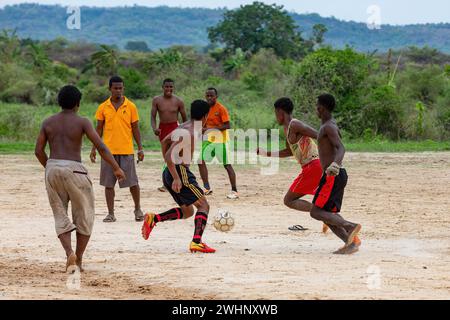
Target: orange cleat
(148,225)
(357,241)
(200,247)
(325,228)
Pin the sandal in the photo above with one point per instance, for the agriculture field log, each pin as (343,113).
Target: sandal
(298,227)
(110,218)
(138,215)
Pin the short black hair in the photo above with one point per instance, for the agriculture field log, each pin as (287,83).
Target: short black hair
(199,109)
(115,79)
(213,89)
(167,80)
(284,104)
(69,97)
(327,101)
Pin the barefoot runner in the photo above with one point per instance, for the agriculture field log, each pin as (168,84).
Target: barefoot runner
(168,107)
(66,178)
(328,198)
(180,181)
(118,123)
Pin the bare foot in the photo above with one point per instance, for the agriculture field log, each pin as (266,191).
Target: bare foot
(347,250)
(352,234)
(80,264)
(71,263)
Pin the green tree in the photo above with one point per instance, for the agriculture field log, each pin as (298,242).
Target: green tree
(9,46)
(256,26)
(167,59)
(39,58)
(383,112)
(137,46)
(342,73)
(318,33)
(235,63)
(106,60)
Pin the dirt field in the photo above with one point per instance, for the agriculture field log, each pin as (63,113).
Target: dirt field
(402,201)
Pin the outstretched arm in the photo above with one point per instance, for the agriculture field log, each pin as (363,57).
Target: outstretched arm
(39,150)
(285,153)
(300,128)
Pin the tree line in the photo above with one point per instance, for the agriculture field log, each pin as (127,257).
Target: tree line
(402,94)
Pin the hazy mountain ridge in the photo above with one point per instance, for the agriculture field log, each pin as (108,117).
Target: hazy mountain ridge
(166,26)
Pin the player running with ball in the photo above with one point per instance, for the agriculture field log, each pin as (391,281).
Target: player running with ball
(181,182)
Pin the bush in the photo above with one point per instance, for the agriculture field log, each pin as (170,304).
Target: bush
(383,112)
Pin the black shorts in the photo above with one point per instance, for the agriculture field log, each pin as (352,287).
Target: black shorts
(190,191)
(330,192)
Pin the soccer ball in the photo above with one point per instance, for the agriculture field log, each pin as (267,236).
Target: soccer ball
(223,221)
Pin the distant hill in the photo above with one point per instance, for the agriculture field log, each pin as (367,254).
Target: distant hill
(164,26)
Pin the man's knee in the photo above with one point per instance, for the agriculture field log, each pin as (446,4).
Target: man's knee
(315,213)
(202,205)
(287,201)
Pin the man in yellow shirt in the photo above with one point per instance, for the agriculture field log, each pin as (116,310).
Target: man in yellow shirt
(216,145)
(118,122)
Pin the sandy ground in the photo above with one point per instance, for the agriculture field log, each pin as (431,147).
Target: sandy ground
(401,200)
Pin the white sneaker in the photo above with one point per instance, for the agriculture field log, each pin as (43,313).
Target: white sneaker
(233,195)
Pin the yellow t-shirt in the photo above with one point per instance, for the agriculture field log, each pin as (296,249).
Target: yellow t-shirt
(117,132)
(217,116)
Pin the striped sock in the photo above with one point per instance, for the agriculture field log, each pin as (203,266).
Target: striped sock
(200,224)
(172,214)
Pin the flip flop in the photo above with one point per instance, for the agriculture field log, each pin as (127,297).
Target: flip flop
(138,215)
(110,218)
(298,227)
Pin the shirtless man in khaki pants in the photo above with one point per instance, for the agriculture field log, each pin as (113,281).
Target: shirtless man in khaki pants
(66,178)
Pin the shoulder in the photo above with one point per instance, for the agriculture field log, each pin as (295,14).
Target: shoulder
(102,105)
(130,103)
(297,124)
(156,98)
(49,120)
(178,99)
(330,128)
(221,107)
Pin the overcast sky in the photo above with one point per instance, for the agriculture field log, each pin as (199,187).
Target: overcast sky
(392,11)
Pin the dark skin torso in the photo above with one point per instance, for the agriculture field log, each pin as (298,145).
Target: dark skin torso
(167,142)
(330,145)
(64,132)
(167,108)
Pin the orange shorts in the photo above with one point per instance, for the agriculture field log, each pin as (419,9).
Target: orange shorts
(309,179)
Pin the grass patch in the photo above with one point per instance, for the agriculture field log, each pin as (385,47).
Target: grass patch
(401,146)
(16,147)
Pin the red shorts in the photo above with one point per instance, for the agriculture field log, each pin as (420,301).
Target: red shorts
(308,180)
(166,129)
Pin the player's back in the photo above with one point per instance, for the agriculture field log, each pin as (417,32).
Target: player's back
(64,133)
